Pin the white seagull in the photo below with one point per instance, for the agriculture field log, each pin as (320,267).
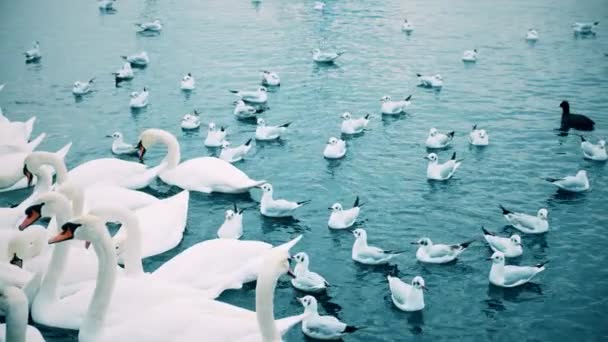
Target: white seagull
(342,219)
(479,137)
(438,139)
(243,110)
(33,54)
(532,35)
(594,152)
(271,207)
(390,107)
(139,100)
(270,78)
(335,148)
(407,297)
(509,246)
(322,327)
(428,81)
(258,96)
(306,280)
(370,255)
(470,56)
(188,82)
(215,137)
(353,126)
(576,183)
(407,26)
(511,276)
(438,253)
(119,146)
(584,28)
(234,154)
(528,224)
(265,132)
(319,6)
(139,59)
(124,74)
(191,121)
(232,228)
(81,88)
(445,171)
(325,56)
(152,26)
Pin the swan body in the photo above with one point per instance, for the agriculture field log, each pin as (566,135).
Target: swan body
(234,154)
(353,126)
(265,132)
(390,107)
(15,305)
(188,82)
(138,60)
(407,297)
(441,172)
(215,137)
(139,100)
(82,87)
(15,132)
(191,121)
(23,147)
(203,174)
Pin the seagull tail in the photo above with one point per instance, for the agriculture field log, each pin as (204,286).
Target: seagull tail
(357,203)
(465,245)
(233,91)
(92,80)
(248,142)
(124,57)
(367,116)
(418,75)
(408,98)
(474,127)
(451,134)
(596,23)
(542,264)
(551,180)
(351,329)
(285,125)
(301,203)
(504,210)
(486,232)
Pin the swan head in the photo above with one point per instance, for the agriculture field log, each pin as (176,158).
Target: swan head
(385,99)
(498,258)
(418,283)
(336,207)
(147,139)
(261,122)
(360,233)
(85,228)
(515,239)
(424,242)
(309,303)
(432,157)
(26,245)
(542,214)
(433,131)
(46,205)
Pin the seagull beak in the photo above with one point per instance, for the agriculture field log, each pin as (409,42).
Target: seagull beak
(414,243)
(291,274)
(108,136)
(330,208)
(427,158)
(488,258)
(425,288)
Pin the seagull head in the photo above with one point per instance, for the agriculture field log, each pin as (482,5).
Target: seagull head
(360,233)
(301,258)
(433,131)
(309,303)
(229,214)
(432,157)
(498,258)
(602,143)
(336,207)
(423,242)
(266,187)
(346,116)
(385,99)
(542,214)
(418,283)
(261,122)
(332,141)
(515,239)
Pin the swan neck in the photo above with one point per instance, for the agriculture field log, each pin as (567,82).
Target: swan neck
(173,156)
(132,253)
(57,163)
(264,306)
(16,315)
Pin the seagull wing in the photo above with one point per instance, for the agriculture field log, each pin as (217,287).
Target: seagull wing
(447,168)
(518,274)
(327,325)
(440,251)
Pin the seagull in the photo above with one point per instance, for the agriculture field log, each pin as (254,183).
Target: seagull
(407,27)
(191,121)
(123,74)
(470,56)
(594,152)
(264,132)
(305,280)
(325,56)
(33,54)
(152,26)
(119,146)
(370,255)
(322,327)
(438,253)
(577,183)
(215,137)
(258,96)
(407,297)
(139,100)
(106,5)
(342,219)
(335,148)
(270,207)
(81,88)
(511,276)
(188,82)
(319,6)
(445,171)
(234,154)
(353,126)
(509,246)
(232,228)
(479,137)
(243,110)
(138,60)
(525,223)
(390,107)
(437,139)
(532,35)
(270,79)
(434,81)
(584,28)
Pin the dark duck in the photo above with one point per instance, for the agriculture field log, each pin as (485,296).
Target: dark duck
(576,121)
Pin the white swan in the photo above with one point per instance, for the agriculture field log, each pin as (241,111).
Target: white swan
(203,174)
(139,59)
(14,303)
(115,308)
(9,217)
(25,147)
(191,121)
(188,82)
(15,132)
(82,87)
(139,100)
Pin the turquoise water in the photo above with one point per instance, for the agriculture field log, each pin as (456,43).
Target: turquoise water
(513,91)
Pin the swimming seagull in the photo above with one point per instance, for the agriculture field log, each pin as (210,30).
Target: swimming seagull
(511,276)
(390,107)
(215,137)
(187,82)
(438,139)
(81,88)
(106,5)
(258,96)
(370,255)
(407,26)
(585,28)
(33,54)
(138,60)
(509,246)
(335,148)
(576,121)
(438,253)
(232,228)
(577,183)
(139,100)
(322,327)
(479,137)
(191,121)
(430,81)
(445,171)
(594,152)
(319,6)
(119,146)
(342,219)
(271,207)
(234,154)
(152,26)
(265,132)
(306,280)
(470,56)
(123,74)
(270,79)
(325,56)
(528,224)
(532,35)
(353,126)
(243,110)
(407,297)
